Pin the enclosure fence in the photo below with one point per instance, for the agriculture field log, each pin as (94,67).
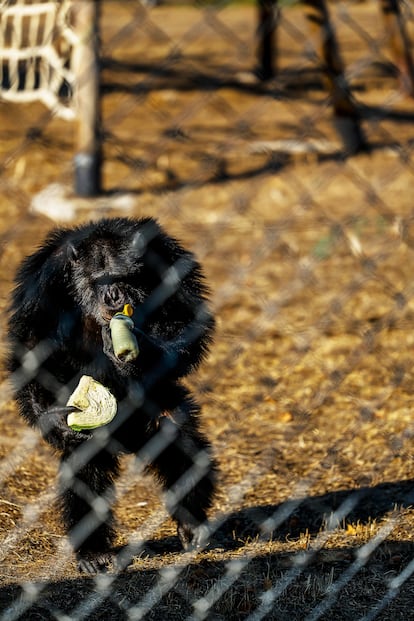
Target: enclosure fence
(302,217)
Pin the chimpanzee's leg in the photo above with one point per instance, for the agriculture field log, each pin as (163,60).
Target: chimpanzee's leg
(186,469)
(86,495)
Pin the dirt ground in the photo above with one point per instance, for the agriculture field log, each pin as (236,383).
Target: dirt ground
(307,393)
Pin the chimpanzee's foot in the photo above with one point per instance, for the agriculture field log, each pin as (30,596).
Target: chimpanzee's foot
(94,562)
(193,537)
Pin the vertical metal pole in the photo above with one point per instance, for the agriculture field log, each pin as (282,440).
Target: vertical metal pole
(266,34)
(85,59)
(399,42)
(346,118)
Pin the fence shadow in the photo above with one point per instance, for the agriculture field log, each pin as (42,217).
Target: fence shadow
(330,580)
(308,575)
(310,514)
(294,517)
(259,152)
(188,77)
(289,84)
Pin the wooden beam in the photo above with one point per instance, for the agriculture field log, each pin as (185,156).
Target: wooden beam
(399,43)
(346,116)
(269,13)
(85,63)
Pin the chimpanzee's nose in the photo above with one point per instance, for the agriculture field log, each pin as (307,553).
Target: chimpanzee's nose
(113,297)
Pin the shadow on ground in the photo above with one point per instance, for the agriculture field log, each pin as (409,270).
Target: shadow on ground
(334,581)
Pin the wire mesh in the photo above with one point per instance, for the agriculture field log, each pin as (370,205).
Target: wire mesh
(306,393)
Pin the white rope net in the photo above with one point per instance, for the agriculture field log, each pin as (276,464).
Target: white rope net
(35,47)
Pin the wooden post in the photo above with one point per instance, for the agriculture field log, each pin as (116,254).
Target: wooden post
(346,117)
(266,32)
(85,63)
(399,43)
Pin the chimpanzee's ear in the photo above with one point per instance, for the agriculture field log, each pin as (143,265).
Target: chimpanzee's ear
(147,231)
(71,252)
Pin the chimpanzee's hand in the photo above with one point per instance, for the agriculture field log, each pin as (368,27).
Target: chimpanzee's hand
(108,350)
(107,342)
(54,427)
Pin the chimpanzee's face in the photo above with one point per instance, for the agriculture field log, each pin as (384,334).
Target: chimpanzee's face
(106,276)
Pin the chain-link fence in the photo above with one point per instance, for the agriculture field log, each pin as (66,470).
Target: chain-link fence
(307,389)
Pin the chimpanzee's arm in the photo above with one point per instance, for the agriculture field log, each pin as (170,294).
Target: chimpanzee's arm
(40,409)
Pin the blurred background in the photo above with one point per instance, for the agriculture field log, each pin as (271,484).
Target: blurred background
(289,173)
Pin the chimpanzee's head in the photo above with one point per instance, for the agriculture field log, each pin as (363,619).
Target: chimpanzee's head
(115,263)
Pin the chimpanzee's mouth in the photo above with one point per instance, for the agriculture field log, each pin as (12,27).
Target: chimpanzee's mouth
(108,314)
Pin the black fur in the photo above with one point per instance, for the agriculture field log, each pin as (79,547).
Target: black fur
(65,295)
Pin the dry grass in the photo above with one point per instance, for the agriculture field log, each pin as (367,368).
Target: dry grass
(307,392)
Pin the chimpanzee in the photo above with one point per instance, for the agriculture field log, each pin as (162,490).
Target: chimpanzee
(65,296)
